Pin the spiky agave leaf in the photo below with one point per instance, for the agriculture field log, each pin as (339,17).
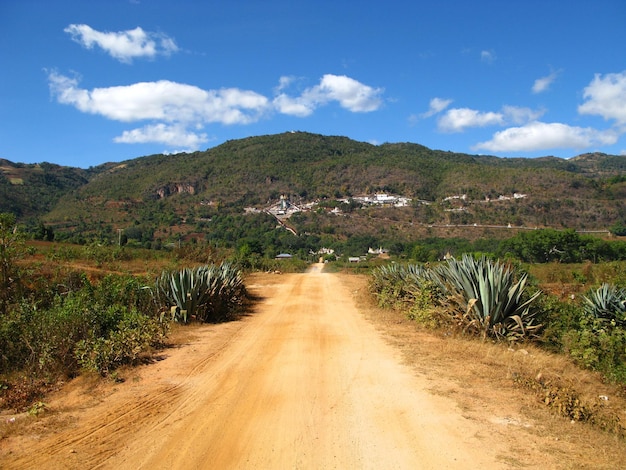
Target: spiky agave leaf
(207,292)
(608,302)
(485,297)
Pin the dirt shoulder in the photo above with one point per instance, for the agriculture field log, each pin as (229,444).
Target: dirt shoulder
(314,377)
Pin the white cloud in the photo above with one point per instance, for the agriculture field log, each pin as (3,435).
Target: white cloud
(349,93)
(175,135)
(518,115)
(174,108)
(300,107)
(487,56)
(162,100)
(543,84)
(284,82)
(606,96)
(542,136)
(436,106)
(458,119)
(123,45)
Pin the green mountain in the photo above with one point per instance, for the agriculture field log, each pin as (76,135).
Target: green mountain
(32,190)
(167,197)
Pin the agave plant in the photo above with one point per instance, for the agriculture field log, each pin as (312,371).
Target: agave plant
(487,297)
(206,293)
(608,303)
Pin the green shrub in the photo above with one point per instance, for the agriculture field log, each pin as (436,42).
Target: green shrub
(598,346)
(480,296)
(134,335)
(127,290)
(42,340)
(40,336)
(424,309)
(11,249)
(558,318)
(395,283)
(596,339)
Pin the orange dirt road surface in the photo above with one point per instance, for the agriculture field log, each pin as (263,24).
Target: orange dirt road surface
(303,382)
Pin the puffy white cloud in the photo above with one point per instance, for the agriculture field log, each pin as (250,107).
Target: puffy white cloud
(174,135)
(123,45)
(162,100)
(299,106)
(606,96)
(349,93)
(175,107)
(543,84)
(542,136)
(459,119)
(436,106)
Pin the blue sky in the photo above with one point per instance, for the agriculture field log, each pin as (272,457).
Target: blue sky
(88,82)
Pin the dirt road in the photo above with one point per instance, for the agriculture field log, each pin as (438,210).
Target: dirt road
(303,382)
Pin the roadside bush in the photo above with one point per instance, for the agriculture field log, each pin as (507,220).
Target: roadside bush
(599,346)
(11,249)
(41,340)
(40,335)
(479,296)
(558,318)
(127,290)
(410,288)
(597,340)
(132,336)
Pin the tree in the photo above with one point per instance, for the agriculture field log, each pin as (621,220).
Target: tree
(11,248)
(43,233)
(619,229)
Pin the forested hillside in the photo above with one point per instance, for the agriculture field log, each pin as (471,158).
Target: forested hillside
(32,190)
(163,198)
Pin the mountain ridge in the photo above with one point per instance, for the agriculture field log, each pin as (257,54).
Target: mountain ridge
(166,191)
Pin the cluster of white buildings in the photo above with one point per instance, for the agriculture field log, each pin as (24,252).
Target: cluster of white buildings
(382,199)
(284,208)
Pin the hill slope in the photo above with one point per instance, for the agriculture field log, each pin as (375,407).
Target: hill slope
(31,190)
(169,194)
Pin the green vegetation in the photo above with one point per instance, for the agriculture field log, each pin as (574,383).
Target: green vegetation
(167,214)
(157,200)
(56,322)
(487,297)
(544,246)
(64,327)
(478,296)
(32,190)
(494,300)
(207,293)
(11,249)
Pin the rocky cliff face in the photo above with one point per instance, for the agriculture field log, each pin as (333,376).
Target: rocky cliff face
(175,188)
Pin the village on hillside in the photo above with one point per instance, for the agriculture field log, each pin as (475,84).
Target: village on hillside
(285,208)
